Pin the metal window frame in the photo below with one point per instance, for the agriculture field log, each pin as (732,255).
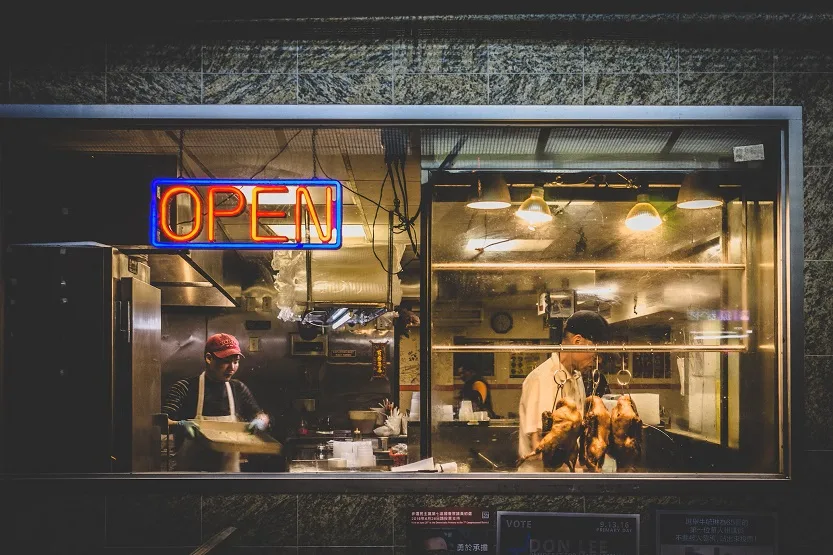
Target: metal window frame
(791,277)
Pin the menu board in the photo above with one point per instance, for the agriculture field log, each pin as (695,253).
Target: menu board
(520,533)
(681,532)
(441,531)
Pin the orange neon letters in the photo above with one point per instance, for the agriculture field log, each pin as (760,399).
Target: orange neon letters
(165,225)
(214,212)
(266,214)
(304,192)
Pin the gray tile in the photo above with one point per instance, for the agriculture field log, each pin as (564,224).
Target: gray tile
(525,88)
(635,89)
(153,88)
(345,57)
(153,520)
(71,88)
(601,56)
(819,463)
(818,398)
(344,520)
(53,523)
(259,550)
(49,57)
(535,57)
(241,56)
(725,89)
(449,56)
(344,88)
(345,550)
(814,92)
(818,205)
(725,60)
(803,60)
(404,504)
(625,18)
(256,88)
(261,519)
(4,91)
(440,89)
(154,57)
(818,308)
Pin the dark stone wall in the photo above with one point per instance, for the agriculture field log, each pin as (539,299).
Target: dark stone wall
(576,59)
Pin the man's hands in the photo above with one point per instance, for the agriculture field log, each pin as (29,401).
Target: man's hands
(259,424)
(190,428)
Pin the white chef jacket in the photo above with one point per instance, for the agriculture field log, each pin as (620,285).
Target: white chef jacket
(538,395)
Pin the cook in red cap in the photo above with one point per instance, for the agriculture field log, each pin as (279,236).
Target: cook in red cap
(222,345)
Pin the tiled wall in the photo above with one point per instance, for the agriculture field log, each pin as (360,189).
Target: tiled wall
(663,59)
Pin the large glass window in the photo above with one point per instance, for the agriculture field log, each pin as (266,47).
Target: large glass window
(591,298)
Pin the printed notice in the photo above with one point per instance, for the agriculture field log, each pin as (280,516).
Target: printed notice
(521,533)
(682,532)
(444,531)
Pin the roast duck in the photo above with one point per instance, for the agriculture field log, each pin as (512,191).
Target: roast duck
(595,435)
(625,434)
(560,444)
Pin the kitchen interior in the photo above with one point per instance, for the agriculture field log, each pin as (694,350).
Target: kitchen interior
(332,339)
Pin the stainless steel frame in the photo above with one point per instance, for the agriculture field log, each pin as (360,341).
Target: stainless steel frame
(791,281)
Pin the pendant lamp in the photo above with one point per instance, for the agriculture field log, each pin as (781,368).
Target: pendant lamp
(643,216)
(535,209)
(491,193)
(698,190)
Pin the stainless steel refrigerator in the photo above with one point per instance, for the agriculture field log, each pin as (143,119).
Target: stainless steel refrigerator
(82,360)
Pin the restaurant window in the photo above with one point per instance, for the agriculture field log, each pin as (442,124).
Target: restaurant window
(577,219)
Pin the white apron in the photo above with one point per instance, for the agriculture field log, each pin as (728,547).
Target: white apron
(192,455)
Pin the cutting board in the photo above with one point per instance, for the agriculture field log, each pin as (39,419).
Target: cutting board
(233,437)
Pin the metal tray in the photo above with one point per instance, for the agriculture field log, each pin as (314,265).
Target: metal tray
(233,437)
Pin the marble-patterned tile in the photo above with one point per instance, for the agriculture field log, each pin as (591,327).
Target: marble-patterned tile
(440,89)
(526,88)
(797,60)
(245,56)
(725,89)
(818,398)
(814,92)
(154,56)
(725,60)
(261,520)
(606,56)
(344,520)
(53,523)
(404,504)
(518,56)
(50,57)
(448,56)
(154,88)
(153,520)
(344,88)
(636,89)
(630,18)
(387,550)
(333,56)
(818,139)
(250,88)
(818,308)
(69,88)
(818,205)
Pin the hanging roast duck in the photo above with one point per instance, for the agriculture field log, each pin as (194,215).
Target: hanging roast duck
(625,434)
(595,436)
(560,445)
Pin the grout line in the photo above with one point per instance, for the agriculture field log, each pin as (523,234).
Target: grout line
(297,72)
(202,72)
(106,72)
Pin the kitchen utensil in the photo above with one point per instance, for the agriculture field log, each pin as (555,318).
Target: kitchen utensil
(233,437)
(364,420)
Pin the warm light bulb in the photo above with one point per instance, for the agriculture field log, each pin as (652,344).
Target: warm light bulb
(697,204)
(643,216)
(535,210)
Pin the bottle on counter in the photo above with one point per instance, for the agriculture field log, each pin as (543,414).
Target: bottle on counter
(357,435)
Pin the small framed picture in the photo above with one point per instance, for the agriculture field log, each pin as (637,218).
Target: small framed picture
(562,303)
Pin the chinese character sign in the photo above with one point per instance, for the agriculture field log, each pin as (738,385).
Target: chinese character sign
(445,531)
(380,370)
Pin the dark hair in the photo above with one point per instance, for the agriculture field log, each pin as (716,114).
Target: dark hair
(588,324)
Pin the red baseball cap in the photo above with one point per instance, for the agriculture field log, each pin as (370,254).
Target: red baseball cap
(222,345)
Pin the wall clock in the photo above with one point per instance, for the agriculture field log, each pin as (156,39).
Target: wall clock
(501,322)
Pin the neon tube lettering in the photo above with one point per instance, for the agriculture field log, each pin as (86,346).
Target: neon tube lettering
(213,212)
(304,192)
(266,214)
(164,224)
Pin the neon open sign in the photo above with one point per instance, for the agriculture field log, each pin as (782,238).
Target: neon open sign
(305,204)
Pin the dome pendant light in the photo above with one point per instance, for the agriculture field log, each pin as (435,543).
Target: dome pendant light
(698,190)
(492,192)
(535,210)
(643,216)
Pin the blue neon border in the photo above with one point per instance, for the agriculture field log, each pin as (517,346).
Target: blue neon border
(162,182)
